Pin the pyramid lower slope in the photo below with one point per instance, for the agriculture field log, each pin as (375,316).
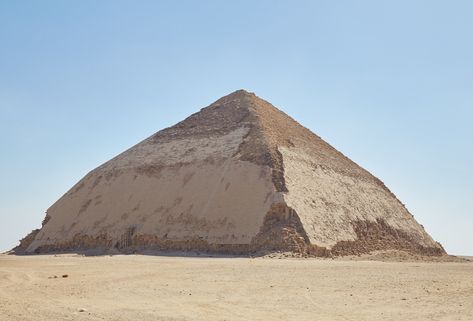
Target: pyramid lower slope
(239,176)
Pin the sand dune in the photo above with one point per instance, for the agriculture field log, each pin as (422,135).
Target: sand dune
(198,288)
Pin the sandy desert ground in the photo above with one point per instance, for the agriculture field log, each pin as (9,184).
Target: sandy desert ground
(202,288)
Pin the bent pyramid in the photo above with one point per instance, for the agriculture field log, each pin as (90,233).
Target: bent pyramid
(240,176)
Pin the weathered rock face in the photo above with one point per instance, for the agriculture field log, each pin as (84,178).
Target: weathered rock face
(239,176)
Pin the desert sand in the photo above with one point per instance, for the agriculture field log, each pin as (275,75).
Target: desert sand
(141,287)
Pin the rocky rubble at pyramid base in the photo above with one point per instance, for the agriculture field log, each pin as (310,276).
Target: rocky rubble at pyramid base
(25,242)
(281,232)
(378,235)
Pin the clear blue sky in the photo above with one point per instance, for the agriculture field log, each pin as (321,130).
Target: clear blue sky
(388,83)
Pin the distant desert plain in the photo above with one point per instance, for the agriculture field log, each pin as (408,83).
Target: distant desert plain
(149,287)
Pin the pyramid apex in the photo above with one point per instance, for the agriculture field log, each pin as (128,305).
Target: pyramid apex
(242,92)
(235,95)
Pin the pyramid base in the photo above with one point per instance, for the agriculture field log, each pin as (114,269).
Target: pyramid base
(281,231)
